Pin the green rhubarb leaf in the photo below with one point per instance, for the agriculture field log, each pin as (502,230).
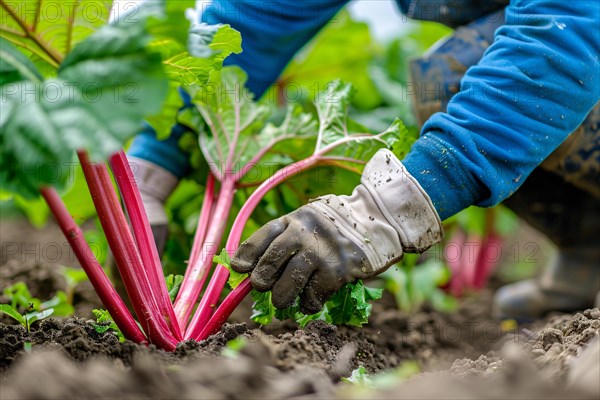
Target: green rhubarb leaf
(173,285)
(349,306)
(45,31)
(237,134)
(235,278)
(263,310)
(14,66)
(104,323)
(190,61)
(106,85)
(346,142)
(13,313)
(125,81)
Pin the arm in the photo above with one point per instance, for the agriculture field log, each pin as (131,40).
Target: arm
(272,32)
(535,85)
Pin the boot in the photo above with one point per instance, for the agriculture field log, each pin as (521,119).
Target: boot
(570,217)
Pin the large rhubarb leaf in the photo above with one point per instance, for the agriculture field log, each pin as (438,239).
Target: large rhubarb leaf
(104,88)
(342,140)
(238,135)
(45,31)
(190,53)
(14,66)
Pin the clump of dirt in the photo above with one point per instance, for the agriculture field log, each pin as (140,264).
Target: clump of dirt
(564,338)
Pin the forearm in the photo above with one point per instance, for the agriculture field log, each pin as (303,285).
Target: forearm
(534,86)
(272,32)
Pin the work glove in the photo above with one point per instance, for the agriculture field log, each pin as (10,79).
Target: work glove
(155,185)
(315,250)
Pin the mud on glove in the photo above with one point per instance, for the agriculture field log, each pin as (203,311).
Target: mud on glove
(315,250)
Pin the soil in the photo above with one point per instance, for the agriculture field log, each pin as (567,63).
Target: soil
(461,355)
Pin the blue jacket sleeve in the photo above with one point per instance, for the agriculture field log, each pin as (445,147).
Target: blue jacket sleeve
(535,84)
(272,32)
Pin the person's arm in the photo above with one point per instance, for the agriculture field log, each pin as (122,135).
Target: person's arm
(535,84)
(272,32)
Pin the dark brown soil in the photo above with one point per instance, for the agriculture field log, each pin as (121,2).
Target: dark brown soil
(461,355)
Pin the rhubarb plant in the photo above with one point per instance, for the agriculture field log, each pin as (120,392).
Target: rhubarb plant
(235,141)
(237,137)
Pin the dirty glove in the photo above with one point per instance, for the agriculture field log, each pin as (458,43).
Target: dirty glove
(315,250)
(155,184)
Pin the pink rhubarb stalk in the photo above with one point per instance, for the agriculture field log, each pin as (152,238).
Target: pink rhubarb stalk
(105,290)
(204,219)
(126,254)
(144,238)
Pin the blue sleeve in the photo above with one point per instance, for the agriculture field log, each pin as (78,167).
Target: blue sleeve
(535,84)
(272,32)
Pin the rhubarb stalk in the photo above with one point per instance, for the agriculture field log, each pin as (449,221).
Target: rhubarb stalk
(196,273)
(102,285)
(126,254)
(144,239)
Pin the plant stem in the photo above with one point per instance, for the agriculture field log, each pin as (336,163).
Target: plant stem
(105,290)
(144,238)
(126,254)
(219,278)
(196,273)
(204,219)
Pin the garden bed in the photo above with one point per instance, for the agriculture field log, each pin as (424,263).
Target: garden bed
(459,355)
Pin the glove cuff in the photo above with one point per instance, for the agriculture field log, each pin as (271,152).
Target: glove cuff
(387,215)
(152,180)
(403,202)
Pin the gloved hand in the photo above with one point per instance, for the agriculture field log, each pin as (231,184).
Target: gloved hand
(155,184)
(315,250)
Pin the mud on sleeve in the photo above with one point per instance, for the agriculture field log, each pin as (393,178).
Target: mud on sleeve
(534,85)
(272,32)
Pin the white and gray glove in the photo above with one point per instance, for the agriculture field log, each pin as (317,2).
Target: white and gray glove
(155,184)
(315,250)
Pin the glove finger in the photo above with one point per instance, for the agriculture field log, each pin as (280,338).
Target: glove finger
(319,288)
(293,280)
(271,264)
(250,251)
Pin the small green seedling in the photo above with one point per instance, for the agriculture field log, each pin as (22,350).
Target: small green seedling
(27,318)
(20,297)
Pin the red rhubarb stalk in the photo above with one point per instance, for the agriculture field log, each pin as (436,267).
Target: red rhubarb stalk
(126,254)
(105,290)
(144,238)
